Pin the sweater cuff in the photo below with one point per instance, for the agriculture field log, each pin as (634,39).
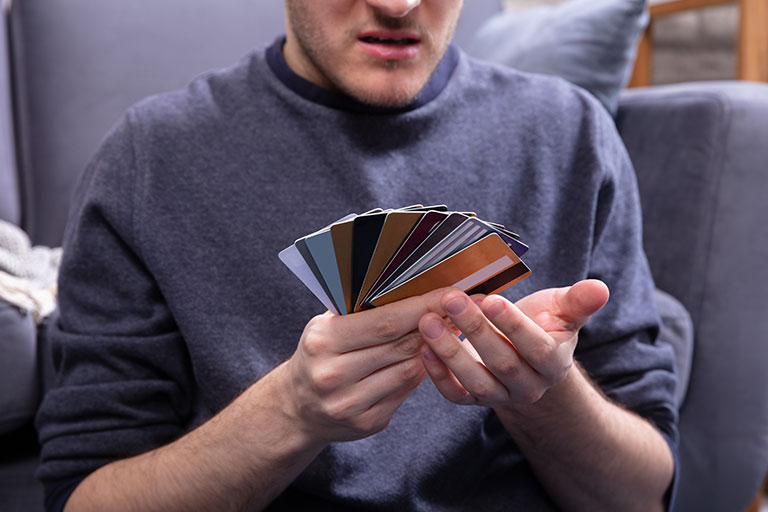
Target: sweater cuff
(670,496)
(57,493)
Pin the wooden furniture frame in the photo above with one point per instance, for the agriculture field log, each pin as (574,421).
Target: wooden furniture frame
(759,499)
(752,51)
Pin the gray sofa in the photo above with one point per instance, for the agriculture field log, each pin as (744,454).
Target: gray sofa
(700,150)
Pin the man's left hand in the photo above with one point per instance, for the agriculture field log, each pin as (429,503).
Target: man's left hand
(526,347)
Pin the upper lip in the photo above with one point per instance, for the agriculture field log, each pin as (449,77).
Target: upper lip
(390,34)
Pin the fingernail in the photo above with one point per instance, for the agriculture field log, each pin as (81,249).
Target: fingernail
(433,329)
(495,309)
(429,355)
(456,306)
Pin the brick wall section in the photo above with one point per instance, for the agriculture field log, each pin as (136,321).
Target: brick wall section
(697,45)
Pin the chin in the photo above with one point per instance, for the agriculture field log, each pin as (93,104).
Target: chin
(393,95)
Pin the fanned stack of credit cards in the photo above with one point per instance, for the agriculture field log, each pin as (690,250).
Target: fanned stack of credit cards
(369,260)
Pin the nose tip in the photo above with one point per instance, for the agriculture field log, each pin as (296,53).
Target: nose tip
(395,8)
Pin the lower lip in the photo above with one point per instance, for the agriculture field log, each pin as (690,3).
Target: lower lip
(390,51)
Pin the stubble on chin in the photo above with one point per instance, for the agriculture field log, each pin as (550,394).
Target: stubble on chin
(398,92)
(389,93)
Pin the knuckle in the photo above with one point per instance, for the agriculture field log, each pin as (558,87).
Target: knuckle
(326,409)
(409,345)
(507,369)
(473,325)
(533,395)
(313,322)
(339,411)
(326,379)
(527,395)
(370,424)
(540,357)
(482,390)
(387,327)
(450,351)
(315,325)
(314,346)
(313,340)
(514,324)
(411,370)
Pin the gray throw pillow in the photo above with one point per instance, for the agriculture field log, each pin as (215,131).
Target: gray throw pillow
(591,43)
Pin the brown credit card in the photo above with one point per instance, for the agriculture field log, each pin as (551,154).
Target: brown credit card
(466,270)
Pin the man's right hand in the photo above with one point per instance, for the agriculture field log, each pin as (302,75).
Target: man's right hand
(345,381)
(350,373)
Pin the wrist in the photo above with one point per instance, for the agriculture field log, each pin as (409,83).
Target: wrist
(572,397)
(270,398)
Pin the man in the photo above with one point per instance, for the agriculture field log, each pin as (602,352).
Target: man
(182,386)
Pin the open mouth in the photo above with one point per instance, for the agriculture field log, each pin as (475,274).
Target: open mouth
(393,42)
(390,45)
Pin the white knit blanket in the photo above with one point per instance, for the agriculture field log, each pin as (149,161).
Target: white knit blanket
(27,274)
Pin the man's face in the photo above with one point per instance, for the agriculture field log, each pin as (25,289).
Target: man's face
(380,52)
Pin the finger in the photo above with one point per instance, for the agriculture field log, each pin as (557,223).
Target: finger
(380,325)
(582,300)
(565,309)
(549,357)
(473,376)
(378,415)
(366,413)
(477,298)
(501,356)
(348,405)
(445,382)
(388,381)
(360,363)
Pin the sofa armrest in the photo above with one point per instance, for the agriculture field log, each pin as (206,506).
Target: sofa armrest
(701,156)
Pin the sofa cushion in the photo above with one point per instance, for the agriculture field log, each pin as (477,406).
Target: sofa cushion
(19,457)
(591,43)
(19,388)
(677,331)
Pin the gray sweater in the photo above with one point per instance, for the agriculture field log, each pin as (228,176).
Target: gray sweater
(173,300)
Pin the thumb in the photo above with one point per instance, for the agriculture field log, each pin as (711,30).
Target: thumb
(582,300)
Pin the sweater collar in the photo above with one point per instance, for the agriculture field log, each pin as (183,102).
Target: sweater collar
(322,96)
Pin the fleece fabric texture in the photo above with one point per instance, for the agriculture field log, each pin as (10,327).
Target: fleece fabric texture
(173,300)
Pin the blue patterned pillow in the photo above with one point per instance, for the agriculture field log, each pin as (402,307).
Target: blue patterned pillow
(591,43)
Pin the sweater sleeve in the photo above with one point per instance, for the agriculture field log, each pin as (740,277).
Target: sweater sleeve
(618,347)
(123,376)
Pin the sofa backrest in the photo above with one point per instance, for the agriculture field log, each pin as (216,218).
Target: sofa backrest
(79,64)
